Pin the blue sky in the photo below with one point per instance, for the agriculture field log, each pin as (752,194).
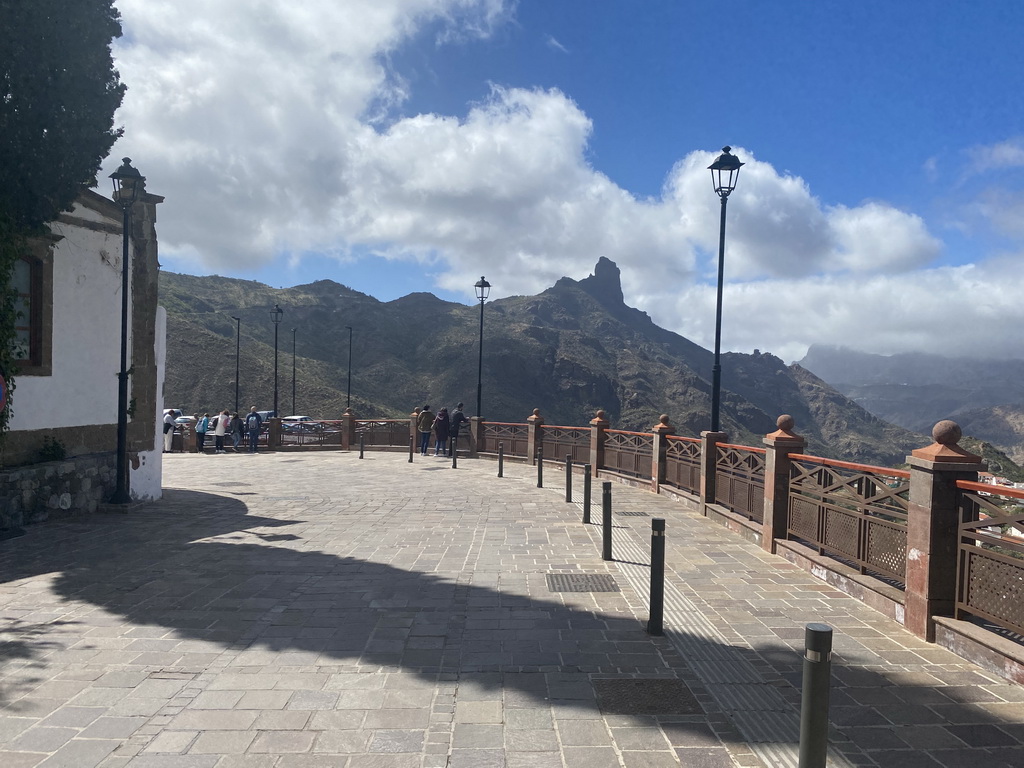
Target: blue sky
(403,145)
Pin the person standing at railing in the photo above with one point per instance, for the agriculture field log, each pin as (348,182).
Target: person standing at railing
(425,424)
(253,425)
(236,431)
(458,418)
(441,431)
(202,424)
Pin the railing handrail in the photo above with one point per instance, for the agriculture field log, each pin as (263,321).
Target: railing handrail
(887,471)
(994,490)
(750,448)
(376,421)
(504,424)
(683,439)
(562,426)
(625,432)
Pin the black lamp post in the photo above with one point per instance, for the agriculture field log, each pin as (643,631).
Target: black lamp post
(238,342)
(483,288)
(293,372)
(725,171)
(348,395)
(127,182)
(275,315)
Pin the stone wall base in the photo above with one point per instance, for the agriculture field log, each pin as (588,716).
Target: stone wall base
(38,492)
(986,649)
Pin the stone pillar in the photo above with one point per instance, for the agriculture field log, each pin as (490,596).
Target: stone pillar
(534,424)
(708,461)
(660,430)
(348,430)
(779,445)
(414,433)
(191,444)
(598,425)
(274,432)
(476,427)
(933,527)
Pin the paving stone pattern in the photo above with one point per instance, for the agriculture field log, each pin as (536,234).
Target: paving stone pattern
(315,609)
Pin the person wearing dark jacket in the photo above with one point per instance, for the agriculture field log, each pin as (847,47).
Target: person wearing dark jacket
(441,430)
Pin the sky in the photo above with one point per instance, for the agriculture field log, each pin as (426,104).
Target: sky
(414,145)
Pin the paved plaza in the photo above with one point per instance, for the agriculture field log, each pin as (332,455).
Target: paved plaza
(292,610)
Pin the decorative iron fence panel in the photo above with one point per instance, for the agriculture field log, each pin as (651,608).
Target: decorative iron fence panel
(558,441)
(628,453)
(854,512)
(312,433)
(383,432)
(682,463)
(515,437)
(990,562)
(739,480)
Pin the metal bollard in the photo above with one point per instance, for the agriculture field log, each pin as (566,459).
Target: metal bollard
(455,451)
(501,459)
(540,467)
(814,701)
(606,519)
(412,447)
(587,470)
(360,446)
(568,478)
(656,623)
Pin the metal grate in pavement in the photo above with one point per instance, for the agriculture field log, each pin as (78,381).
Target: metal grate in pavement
(631,513)
(581,582)
(645,696)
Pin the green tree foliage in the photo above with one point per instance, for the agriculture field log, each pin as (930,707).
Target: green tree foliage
(58,94)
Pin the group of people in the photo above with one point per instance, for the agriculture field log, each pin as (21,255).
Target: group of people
(223,425)
(442,426)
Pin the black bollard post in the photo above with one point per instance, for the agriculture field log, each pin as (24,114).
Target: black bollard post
(814,703)
(455,450)
(568,478)
(656,624)
(412,447)
(586,493)
(606,519)
(540,467)
(501,459)
(360,446)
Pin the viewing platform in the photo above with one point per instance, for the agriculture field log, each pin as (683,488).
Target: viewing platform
(292,609)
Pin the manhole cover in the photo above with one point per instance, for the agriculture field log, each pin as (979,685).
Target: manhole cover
(645,697)
(581,582)
(631,513)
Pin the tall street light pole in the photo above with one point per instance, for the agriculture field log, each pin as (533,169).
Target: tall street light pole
(483,288)
(725,172)
(127,182)
(275,316)
(238,343)
(293,371)
(348,395)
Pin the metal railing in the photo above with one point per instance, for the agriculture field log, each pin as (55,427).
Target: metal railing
(383,432)
(515,438)
(855,512)
(739,480)
(990,561)
(628,453)
(682,463)
(557,442)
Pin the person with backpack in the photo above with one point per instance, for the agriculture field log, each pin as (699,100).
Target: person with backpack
(458,418)
(220,428)
(425,424)
(253,425)
(202,425)
(235,427)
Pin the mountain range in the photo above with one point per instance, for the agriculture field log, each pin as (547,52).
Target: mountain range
(570,350)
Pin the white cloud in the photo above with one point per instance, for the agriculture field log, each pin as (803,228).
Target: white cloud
(999,156)
(272,132)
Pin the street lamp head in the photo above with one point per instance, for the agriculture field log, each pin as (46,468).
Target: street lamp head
(725,172)
(483,289)
(276,314)
(127,181)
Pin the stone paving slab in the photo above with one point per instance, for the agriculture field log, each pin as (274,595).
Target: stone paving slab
(307,609)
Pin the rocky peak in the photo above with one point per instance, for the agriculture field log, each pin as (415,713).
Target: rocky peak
(605,284)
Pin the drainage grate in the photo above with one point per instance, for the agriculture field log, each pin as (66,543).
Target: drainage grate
(632,696)
(631,513)
(581,582)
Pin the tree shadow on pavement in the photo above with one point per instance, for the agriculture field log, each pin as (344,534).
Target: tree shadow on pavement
(219,578)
